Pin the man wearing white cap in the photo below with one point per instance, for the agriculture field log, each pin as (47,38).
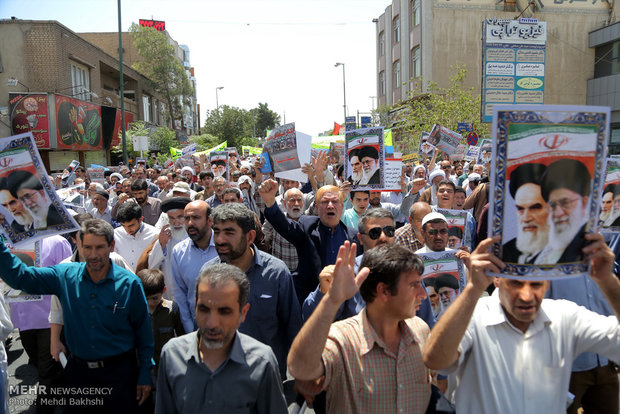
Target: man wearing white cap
(430,194)
(188,172)
(434,232)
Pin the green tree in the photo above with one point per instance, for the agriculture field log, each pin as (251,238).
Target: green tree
(264,119)
(160,140)
(204,141)
(229,124)
(444,106)
(160,65)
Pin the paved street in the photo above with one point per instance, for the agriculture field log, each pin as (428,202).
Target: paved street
(21,375)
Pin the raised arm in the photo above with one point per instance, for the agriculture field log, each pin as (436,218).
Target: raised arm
(441,349)
(602,261)
(305,358)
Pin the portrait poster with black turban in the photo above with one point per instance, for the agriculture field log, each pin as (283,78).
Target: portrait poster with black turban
(547,173)
(445,266)
(609,217)
(30,209)
(364,165)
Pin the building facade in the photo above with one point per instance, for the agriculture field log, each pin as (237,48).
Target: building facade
(419,41)
(109,43)
(74,110)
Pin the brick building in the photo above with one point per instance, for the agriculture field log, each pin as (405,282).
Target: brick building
(72,82)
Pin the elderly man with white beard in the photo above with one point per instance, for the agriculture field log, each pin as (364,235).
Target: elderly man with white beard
(28,189)
(157,255)
(279,247)
(565,186)
(532,215)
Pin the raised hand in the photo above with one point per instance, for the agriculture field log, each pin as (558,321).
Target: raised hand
(481,261)
(345,284)
(267,190)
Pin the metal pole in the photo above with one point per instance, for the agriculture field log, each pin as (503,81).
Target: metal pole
(344,94)
(122,82)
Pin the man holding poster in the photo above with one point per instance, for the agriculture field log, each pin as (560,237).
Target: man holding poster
(483,340)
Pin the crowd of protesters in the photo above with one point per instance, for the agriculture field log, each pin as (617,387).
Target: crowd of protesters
(185,291)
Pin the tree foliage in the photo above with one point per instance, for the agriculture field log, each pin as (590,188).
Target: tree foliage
(234,125)
(265,119)
(160,65)
(160,140)
(204,141)
(444,106)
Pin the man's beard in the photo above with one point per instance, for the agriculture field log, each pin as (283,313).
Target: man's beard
(23,219)
(368,174)
(39,210)
(563,233)
(210,343)
(529,242)
(294,212)
(178,233)
(356,175)
(234,252)
(436,308)
(604,215)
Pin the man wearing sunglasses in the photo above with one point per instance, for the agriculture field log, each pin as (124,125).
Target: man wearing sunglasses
(434,232)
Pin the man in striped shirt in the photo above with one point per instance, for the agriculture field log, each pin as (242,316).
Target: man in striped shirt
(371,362)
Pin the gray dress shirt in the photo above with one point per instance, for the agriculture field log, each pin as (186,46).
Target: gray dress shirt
(247,382)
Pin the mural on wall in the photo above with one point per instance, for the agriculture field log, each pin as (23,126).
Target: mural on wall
(29,113)
(79,124)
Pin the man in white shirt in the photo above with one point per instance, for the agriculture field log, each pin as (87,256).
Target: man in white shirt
(512,352)
(134,236)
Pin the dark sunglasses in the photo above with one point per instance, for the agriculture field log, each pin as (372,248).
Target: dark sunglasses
(375,232)
(433,232)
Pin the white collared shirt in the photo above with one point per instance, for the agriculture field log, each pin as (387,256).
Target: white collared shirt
(132,247)
(503,370)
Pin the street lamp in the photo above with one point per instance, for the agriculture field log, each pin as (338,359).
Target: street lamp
(344,91)
(217,105)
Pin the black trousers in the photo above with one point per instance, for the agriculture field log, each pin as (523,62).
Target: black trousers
(36,343)
(110,388)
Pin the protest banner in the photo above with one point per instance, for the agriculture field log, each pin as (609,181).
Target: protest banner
(446,262)
(547,171)
(336,150)
(609,219)
(34,209)
(175,153)
(219,147)
(30,254)
(281,145)
(485,151)
(247,150)
(365,163)
(219,164)
(188,149)
(444,139)
(409,157)
(73,196)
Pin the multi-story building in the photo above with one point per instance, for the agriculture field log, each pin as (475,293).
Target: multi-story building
(186,126)
(420,40)
(74,89)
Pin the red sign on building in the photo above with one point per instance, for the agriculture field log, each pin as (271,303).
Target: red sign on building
(158,25)
(29,113)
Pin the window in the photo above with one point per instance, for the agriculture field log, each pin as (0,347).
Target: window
(382,44)
(382,83)
(396,29)
(80,81)
(607,59)
(415,13)
(416,68)
(146,107)
(396,74)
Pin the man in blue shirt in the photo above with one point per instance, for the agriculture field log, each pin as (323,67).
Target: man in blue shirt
(274,317)
(188,256)
(106,321)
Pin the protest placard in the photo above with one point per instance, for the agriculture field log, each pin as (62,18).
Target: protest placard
(547,171)
(441,263)
(472,153)
(281,145)
(34,209)
(219,164)
(444,139)
(72,196)
(459,153)
(485,151)
(68,175)
(365,162)
(457,227)
(30,254)
(393,172)
(609,219)
(96,175)
(425,148)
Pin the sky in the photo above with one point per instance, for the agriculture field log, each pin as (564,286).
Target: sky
(281,52)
